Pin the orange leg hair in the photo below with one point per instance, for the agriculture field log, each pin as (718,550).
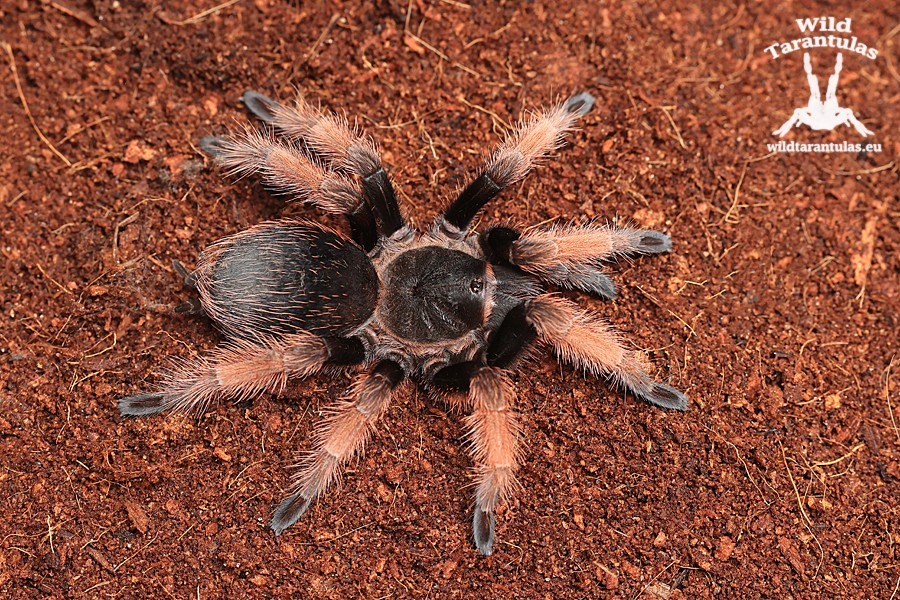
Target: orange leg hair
(239,370)
(585,341)
(327,136)
(494,436)
(570,255)
(285,169)
(343,435)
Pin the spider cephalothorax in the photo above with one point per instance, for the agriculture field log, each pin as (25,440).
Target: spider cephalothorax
(449,308)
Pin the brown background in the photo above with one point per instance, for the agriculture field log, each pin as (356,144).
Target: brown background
(776,311)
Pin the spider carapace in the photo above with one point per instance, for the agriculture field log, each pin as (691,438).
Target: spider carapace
(452,309)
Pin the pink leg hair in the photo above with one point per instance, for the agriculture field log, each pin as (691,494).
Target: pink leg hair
(328,136)
(343,435)
(532,140)
(239,370)
(494,437)
(287,170)
(585,341)
(570,255)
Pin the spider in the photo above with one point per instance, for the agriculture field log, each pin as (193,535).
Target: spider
(449,308)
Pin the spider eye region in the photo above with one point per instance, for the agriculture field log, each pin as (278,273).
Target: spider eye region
(433,294)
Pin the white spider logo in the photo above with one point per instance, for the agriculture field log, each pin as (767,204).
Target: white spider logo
(818,115)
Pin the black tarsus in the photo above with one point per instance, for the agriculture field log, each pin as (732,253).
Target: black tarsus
(580,104)
(212,144)
(665,396)
(483,531)
(141,405)
(654,242)
(259,105)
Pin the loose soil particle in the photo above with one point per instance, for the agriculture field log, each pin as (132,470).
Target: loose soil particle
(777,310)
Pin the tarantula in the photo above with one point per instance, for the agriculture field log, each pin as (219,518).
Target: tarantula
(452,309)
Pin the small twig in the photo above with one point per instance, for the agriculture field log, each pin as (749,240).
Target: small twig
(737,192)
(674,126)
(459,4)
(76,14)
(15,72)
(55,282)
(312,50)
(198,17)
(828,463)
(807,521)
(871,171)
(81,128)
(887,397)
(492,114)
(119,226)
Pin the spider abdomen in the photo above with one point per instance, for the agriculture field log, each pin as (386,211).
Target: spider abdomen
(285,277)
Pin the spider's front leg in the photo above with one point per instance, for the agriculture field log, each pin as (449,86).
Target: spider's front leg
(514,158)
(570,256)
(342,436)
(242,369)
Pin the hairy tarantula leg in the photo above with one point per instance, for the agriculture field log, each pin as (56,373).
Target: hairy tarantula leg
(332,138)
(241,369)
(285,169)
(494,435)
(517,155)
(589,343)
(569,255)
(343,435)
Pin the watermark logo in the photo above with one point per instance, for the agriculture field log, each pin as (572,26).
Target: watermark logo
(819,114)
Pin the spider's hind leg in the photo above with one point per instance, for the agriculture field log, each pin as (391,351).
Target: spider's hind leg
(242,370)
(336,143)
